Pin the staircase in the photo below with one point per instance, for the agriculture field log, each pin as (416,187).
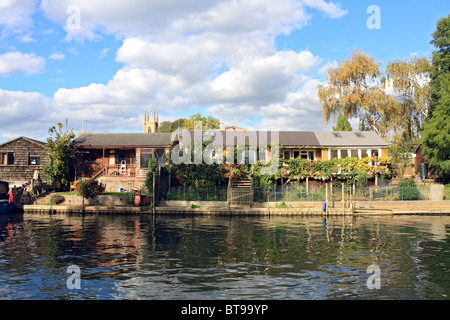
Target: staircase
(244,183)
(240,192)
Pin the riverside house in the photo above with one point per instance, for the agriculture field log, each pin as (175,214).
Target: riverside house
(20,158)
(310,145)
(119,160)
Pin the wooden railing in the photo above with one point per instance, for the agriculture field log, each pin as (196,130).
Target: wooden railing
(128,170)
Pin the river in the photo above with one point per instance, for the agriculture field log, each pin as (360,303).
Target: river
(107,257)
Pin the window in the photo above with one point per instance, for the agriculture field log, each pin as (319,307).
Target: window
(359,135)
(307,154)
(146,155)
(7,158)
(34,159)
(161,156)
(333,153)
(337,135)
(286,154)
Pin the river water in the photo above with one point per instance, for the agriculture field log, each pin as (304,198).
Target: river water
(170,257)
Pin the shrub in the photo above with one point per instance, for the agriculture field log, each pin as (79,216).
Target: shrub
(89,188)
(57,198)
(408,190)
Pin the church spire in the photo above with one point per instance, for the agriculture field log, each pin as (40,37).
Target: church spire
(151,125)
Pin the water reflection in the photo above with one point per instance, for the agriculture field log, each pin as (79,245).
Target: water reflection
(146,257)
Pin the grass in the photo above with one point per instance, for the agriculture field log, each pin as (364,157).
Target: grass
(447,192)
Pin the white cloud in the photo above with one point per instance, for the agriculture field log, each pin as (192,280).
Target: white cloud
(215,55)
(15,15)
(24,113)
(331,9)
(57,56)
(104,52)
(12,62)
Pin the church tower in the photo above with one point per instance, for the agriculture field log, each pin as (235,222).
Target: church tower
(151,126)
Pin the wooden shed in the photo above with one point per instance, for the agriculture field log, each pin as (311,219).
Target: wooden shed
(20,158)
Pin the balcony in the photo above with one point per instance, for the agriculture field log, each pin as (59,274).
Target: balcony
(121,170)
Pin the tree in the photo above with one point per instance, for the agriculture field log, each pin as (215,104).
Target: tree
(171,126)
(440,60)
(409,80)
(342,124)
(153,169)
(59,151)
(208,123)
(435,135)
(400,154)
(356,89)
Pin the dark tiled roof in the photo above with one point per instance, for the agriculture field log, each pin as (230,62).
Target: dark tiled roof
(227,138)
(123,140)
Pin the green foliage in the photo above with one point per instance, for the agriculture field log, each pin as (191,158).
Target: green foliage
(129,197)
(59,151)
(343,168)
(361,179)
(342,124)
(435,135)
(408,189)
(440,60)
(201,175)
(57,199)
(153,169)
(399,152)
(208,123)
(89,188)
(281,205)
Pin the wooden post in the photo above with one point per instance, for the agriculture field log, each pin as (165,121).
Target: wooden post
(154,192)
(331,188)
(343,199)
(326,198)
(307,185)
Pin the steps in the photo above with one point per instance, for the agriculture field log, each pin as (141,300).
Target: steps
(244,183)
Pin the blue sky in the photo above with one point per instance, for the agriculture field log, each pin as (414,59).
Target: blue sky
(254,64)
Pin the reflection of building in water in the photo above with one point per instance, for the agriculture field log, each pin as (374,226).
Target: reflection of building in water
(125,245)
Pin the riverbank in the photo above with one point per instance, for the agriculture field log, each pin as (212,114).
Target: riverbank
(258,209)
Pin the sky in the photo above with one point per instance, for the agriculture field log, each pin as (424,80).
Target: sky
(256,64)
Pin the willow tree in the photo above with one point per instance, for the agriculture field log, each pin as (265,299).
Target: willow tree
(410,83)
(356,88)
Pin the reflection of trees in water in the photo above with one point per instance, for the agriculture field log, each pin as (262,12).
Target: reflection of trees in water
(412,252)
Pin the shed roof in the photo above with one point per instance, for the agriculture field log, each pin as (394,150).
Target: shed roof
(40,143)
